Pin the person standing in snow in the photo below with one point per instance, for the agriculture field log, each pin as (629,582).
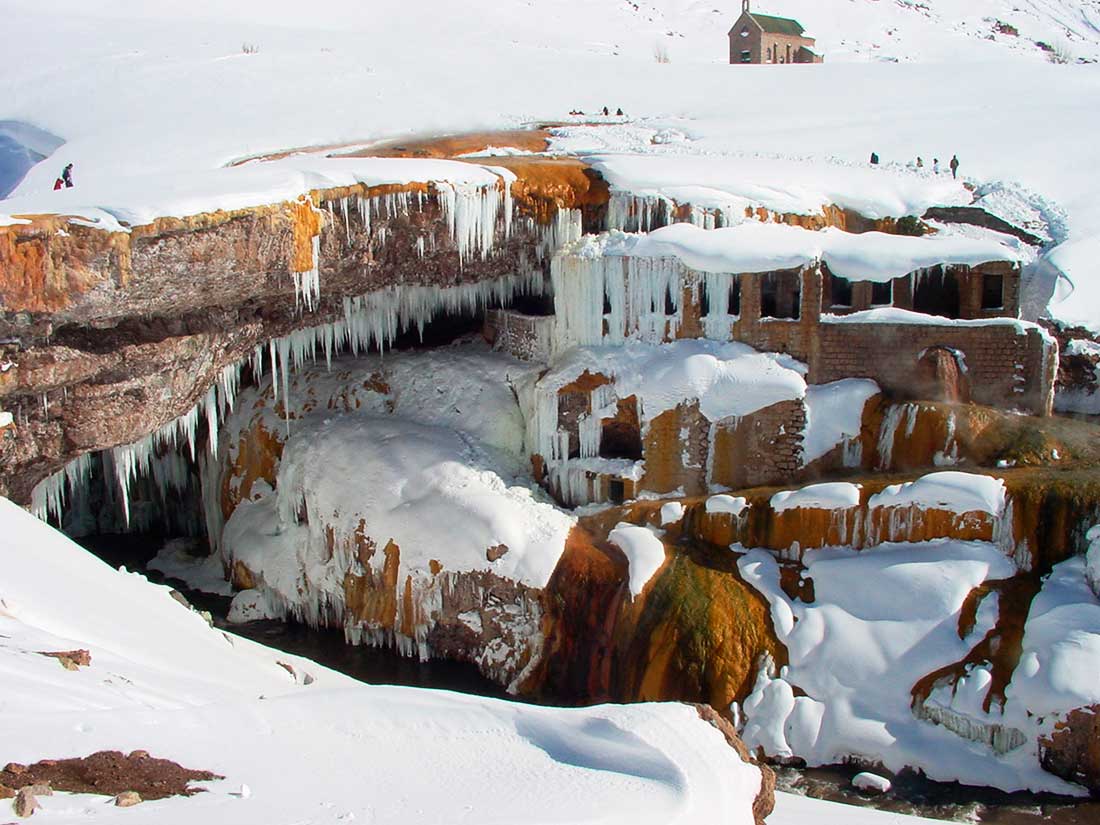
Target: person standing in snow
(920,162)
(955,167)
(67,176)
(874,158)
(619,113)
(606,111)
(936,166)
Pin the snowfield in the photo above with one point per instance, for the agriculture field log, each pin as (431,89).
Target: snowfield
(314,746)
(96,86)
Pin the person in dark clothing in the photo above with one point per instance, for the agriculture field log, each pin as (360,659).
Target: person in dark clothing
(619,113)
(67,176)
(955,167)
(874,158)
(606,111)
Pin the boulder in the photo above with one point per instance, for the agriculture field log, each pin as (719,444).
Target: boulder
(1072,751)
(871,783)
(25,803)
(6,792)
(764,803)
(127,799)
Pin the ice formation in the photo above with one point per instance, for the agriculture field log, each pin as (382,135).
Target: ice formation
(728,380)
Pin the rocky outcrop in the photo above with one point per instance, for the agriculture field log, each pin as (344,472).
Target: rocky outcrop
(107,336)
(976,216)
(1072,751)
(764,803)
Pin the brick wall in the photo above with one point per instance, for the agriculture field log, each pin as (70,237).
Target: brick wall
(1005,368)
(527,337)
(760,449)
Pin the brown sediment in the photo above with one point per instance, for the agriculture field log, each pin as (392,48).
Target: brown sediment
(259,452)
(452,146)
(110,773)
(1001,647)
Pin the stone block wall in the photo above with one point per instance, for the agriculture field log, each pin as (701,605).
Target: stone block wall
(1005,367)
(526,337)
(760,449)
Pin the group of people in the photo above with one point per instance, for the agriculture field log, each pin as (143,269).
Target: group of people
(936,169)
(66,179)
(606,112)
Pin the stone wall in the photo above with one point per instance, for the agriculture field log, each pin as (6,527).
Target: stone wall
(1006,367)
(526,337)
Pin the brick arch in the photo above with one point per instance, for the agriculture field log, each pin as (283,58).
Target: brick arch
(942,375)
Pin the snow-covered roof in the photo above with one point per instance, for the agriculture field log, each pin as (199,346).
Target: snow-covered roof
(757,247)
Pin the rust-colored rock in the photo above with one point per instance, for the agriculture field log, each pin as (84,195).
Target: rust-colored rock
(110,773)
(25,803)
(764,803)
(71,659)
(1073,750)
(128,799)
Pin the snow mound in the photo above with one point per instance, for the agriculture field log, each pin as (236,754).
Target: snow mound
(837,495)
(162,680)
(732,505)
(956,492)
(834,415)
(857,651)
(764,247)
(644,551)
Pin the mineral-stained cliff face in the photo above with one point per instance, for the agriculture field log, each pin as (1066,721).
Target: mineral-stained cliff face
(107,336)
(1073,749)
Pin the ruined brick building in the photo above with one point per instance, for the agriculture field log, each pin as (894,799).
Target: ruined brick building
(762,38)
(942,333)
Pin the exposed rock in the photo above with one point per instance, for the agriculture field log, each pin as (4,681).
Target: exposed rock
(6,792)
(109,773)
(127,799)
(15,769)
(71,659)
(41,789)
(1073,750)
(497,552)
(25,803)
(764,803)
(871,783)
(976,216)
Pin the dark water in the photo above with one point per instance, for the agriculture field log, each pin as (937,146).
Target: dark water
(911,793)
(916,796)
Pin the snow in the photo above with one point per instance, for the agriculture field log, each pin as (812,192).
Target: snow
(857,651)
(1061,646)
(727,379)
(792,809)
(644,550)
(780,185)
(1092,560)
(764,247)
(834,415)
(205,574)
(672,513)
(733,505)
(896,315)
(956,492)
(162,680)
(817,123)
(870,782)
(124,202)
(836,495)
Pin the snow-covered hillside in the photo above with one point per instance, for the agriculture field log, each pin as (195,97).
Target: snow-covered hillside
(151,98)
(309,744)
